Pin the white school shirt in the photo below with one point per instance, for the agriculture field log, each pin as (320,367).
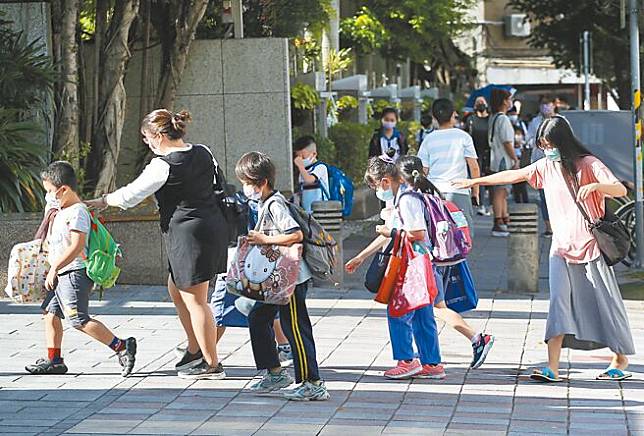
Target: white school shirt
(321,173)
(387,143)
(444,152)
(73,218)
(409,214)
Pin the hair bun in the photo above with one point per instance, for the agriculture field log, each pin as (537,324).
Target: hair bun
(180,121)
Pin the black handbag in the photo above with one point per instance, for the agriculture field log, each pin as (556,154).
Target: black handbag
(378,266)
(611,234)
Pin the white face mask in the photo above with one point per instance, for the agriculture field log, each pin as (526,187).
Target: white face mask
(52,201)
(251,193)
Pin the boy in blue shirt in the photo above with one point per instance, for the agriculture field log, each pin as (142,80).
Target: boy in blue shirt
(313,175)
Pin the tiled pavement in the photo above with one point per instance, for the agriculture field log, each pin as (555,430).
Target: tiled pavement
(353,349)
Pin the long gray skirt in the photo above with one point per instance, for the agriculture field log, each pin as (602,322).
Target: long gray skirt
(586,306)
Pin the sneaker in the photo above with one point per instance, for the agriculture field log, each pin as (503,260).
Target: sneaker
(480,349)
(272,382)
(46,366)
(503,227)
(189,360)
(404,370)
(203,371)
(481,211)
(498,232)
(308,391)
(435,372)
(127,357)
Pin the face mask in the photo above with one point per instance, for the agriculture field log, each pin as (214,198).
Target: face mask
(384,195)
(513,118)
(52,201)
(308,161)
(546,109)
(388,124)
(553,154)
(251,193)
(481,107)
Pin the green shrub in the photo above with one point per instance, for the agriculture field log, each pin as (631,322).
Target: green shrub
(21,161)
(304,97)
(409,129)
(351,148)
(26,80)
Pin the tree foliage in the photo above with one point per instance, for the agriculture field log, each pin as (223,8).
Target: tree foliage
(416,28)
(557,27)
(26,81)
(277,18)
(364,32)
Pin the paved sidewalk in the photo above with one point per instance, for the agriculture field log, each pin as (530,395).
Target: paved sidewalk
(353,349)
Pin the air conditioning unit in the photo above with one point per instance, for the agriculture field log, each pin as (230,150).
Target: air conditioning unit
(517,25)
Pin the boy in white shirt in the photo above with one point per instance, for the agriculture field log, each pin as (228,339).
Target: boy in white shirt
(67,282)
(447,154)
(313,175)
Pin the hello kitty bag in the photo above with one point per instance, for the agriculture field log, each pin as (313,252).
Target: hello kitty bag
(266,273)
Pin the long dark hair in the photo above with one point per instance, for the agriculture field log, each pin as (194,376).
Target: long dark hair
(558,132)
(412,172)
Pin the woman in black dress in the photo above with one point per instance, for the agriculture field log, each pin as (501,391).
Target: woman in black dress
(182,178)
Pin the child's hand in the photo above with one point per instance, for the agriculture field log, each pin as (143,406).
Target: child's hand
(256,238)
(352,265)
(52,279)
(384,231)
(299,162)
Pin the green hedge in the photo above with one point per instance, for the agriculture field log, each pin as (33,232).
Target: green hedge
(351,142)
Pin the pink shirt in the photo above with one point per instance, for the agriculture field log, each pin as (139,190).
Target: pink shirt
(571,237)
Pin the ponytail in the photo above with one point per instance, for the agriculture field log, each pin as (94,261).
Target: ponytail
(412,171)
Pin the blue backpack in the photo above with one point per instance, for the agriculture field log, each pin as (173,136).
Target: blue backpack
(340,188)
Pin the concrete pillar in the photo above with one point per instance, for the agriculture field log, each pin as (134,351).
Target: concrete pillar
(523,248)
(334,26)
(417,109)
(363,115)
(329,215)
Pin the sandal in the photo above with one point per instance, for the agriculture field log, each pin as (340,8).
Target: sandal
(545,375)
(614,374)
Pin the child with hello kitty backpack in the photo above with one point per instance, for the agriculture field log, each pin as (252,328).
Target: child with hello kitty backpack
(276,226)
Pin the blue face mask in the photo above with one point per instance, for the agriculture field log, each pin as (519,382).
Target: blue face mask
(308,161)
(384,195)
(553,154)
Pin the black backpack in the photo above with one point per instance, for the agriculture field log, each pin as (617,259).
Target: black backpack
(233,205)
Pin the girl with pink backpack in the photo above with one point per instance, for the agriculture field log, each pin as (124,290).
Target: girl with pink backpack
(418,325)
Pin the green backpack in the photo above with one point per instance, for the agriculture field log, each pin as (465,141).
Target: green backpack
(102,253)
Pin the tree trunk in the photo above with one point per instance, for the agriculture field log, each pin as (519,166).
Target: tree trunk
(188,16)
(106,143)
(66,134)
(182,17)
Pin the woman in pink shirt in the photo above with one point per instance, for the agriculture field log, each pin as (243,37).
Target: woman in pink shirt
(586,308)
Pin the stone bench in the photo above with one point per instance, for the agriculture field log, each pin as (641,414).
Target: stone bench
(144,260)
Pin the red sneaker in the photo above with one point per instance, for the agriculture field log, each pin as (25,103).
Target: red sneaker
(435,372)
(404,370)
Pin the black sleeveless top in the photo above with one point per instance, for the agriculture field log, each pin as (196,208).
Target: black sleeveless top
(190,183)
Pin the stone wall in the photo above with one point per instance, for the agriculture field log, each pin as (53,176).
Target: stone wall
(144,260)
(238,93)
